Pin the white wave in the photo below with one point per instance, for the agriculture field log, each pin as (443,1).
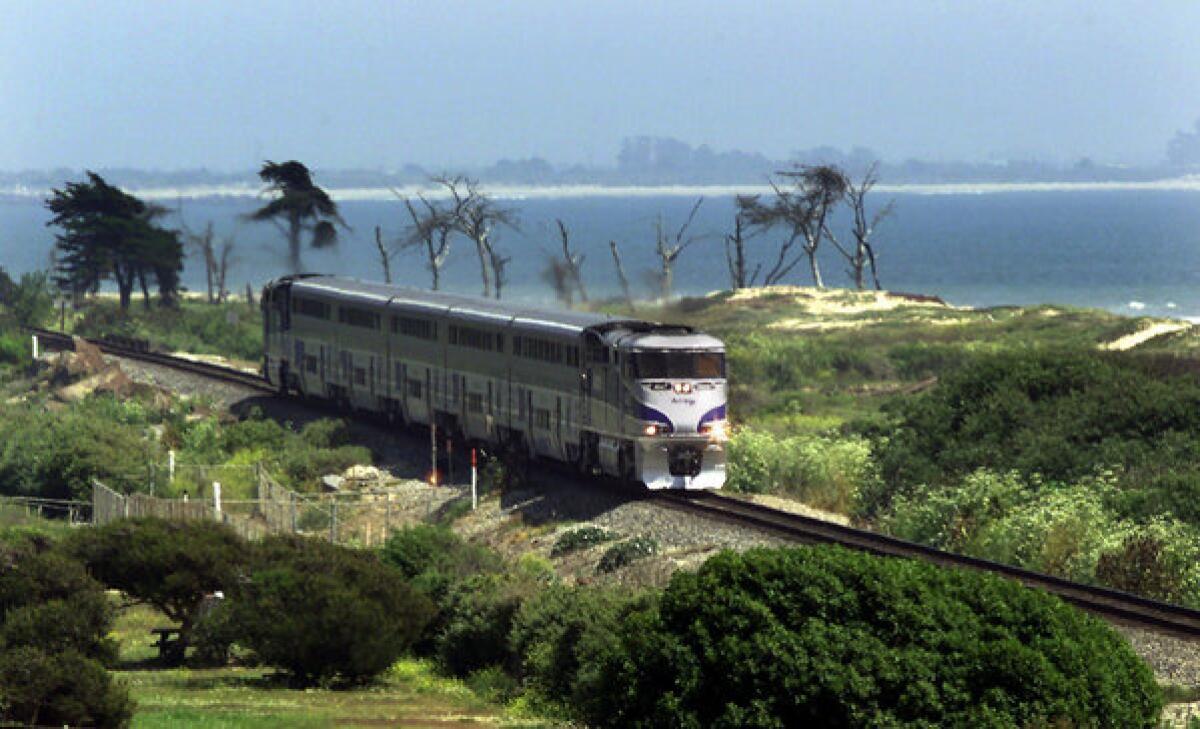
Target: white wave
(521,192)
(1171,305)
(1136,305)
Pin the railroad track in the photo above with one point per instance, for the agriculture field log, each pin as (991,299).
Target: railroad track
(1113,605)
(140,350)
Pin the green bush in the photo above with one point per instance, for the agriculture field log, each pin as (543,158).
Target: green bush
(323,612)
(582,537)
(230,330)
(59,689)
(172,565)
(56,454)
(827,637)
(827,472)
(1056,414)
(626,553)
(547,636)
(479,613)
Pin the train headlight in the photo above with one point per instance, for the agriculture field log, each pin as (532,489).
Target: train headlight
(717,430)
(651,429)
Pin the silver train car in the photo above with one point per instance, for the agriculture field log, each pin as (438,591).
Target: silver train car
(635,400)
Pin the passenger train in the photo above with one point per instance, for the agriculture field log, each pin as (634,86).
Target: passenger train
(638,401)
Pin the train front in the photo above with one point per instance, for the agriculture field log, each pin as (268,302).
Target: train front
(678,385)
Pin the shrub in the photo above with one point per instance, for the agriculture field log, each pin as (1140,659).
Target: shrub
(824,636)
(547,636)
(626,553)
(479,614)
(825,471)
(48,602)
(580,538)
(323,612)
(173,565)
(60,689)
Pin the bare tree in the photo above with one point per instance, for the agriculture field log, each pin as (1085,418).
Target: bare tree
(863,230)
(217,260)
(668,247)
(801,208)
(564,275)
(477,216)
(433,228)
(384,255)
(735,257)
(621,277)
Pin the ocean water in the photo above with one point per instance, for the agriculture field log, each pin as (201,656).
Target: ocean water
(1130,251)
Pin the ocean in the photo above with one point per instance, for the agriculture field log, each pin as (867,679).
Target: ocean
(1133,251)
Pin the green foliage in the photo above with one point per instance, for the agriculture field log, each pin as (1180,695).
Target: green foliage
(623,554)
(28,302)
(324,612)
(172,565)
(57,453)
(547,636)
(824,636)
(59,689)
(1057,414)
(48,602)
(579,538)
(54,627)
(107,232)
(434,558)
(480,612)
(827,472)
(229,330)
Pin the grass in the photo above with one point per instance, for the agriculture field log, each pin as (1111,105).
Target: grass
(232,329)
(409,694)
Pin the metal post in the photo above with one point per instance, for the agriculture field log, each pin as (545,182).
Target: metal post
(217,499)
(474,480)
(333,520)
(171,464)
(35,348)
(433,479)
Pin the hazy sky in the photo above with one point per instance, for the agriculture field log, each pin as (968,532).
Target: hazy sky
(227,83)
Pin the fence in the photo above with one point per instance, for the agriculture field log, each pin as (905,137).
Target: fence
(361,518)
(74,512)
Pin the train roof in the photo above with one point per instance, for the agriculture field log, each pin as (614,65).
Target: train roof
(562,321)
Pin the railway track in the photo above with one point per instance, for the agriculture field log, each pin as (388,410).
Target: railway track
(139,350)
(1113,605)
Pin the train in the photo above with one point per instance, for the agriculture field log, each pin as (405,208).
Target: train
(638,401)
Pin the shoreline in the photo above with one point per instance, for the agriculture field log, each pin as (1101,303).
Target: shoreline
(1189,183)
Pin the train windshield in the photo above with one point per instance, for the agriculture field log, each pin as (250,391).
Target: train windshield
(677,365)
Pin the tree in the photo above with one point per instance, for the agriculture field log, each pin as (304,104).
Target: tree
(822,636)
(433,228)
(30,300)
(299,207)
(668,248)
(803,200)
(172,565)
(110,233)
(621,277)
(216,260)
(735,257)
(385,258)
(321,611)
(477,216)
(862,229)
(564,274)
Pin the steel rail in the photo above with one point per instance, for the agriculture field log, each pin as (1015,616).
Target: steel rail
(1114,605)
(60,341)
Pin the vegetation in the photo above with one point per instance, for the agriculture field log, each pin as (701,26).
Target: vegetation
(622,554)
(54,626)
(172,565)
(580,538)
(107,232)
(230,329)
(791,637)
(324,612)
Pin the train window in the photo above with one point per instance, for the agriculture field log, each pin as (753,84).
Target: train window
(358,317)
(310,364)
(360,376)
(414,389)
(475,402)
(310,308)
(413,327)
(473,338)
(541,419)
(676,364)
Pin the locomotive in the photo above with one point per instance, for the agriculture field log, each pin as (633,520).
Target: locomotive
(635,400)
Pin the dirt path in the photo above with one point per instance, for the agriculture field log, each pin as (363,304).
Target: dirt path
(1129,341)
